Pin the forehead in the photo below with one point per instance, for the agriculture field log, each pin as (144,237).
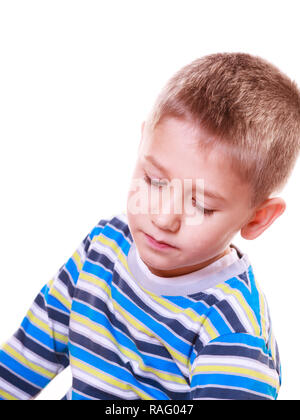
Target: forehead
(173,150)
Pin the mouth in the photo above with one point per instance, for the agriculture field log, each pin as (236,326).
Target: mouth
(157,244)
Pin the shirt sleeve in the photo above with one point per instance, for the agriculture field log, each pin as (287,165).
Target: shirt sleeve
(236,366)
(38,350)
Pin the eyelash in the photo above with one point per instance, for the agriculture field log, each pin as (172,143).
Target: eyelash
(150,181)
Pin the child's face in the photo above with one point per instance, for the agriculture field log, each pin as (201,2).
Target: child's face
(173,144)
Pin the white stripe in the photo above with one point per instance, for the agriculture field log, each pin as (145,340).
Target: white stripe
(166,314)
(248,346)
(99,292)
(105,249)
(33,357)
(105,342)
(82,253)
(101,385)
(11,389)
(62,289)
(42,315)
(237,361)
(227,387)
(181,316)
(236,307)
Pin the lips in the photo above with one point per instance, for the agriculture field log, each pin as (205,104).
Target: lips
(158,242)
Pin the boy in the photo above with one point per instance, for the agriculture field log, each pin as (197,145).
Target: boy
(159,304)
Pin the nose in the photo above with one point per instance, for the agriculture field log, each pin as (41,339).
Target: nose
(164,218)
(168,222)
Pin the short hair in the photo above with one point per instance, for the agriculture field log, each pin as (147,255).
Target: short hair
(249,106)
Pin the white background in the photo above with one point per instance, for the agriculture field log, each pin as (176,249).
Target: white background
(76,80)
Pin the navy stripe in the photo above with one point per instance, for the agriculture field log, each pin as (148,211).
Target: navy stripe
(95,257)
(41,351)
(65,278)
(225,394)
(95,302)
(19,383)
(239,351)
(111,356)
(92,391)
(170,322)
(231,316)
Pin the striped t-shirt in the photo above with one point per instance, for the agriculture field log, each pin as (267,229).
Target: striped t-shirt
(125,340)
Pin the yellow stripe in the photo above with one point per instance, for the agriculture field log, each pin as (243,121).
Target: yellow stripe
(238,371)
(119,253)
(111,244)
(97,328)
(205,322)
(141,327)
(199,319)
(128,353)
(165,376)
(228,290)
(7,396)
(60,298)
(28,363)
(273,347)
(46,328)
(50,283)
(262,305)
(109,379)
(95,280)
(77,259)
(263,317)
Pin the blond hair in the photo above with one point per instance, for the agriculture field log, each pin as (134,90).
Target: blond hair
(251,108)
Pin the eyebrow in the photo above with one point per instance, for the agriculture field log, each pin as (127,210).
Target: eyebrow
(208,193)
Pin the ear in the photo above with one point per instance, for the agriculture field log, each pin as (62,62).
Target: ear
(263,217)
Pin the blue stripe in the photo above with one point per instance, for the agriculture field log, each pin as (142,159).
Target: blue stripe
(118,237)
(53,301)
(115,371)
(251,297)
(78,397)
(21,370)
(98,271)
(97,229)
(242,338)
(236,381)
(42,336)
(123,340)
(200,308)
(150,324)
(255,293)
(72,269)
(40,350)
(17,382)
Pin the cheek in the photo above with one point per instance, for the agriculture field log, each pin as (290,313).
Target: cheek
(195,240)
(212,234)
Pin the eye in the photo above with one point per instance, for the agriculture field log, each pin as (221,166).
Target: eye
(154,182)
(207,212)
(157,183)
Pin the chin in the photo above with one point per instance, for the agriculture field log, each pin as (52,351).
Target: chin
(155,261)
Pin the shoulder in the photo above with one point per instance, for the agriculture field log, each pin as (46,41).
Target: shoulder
(236,366)
(111,236)
(234,306)
(109,226)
